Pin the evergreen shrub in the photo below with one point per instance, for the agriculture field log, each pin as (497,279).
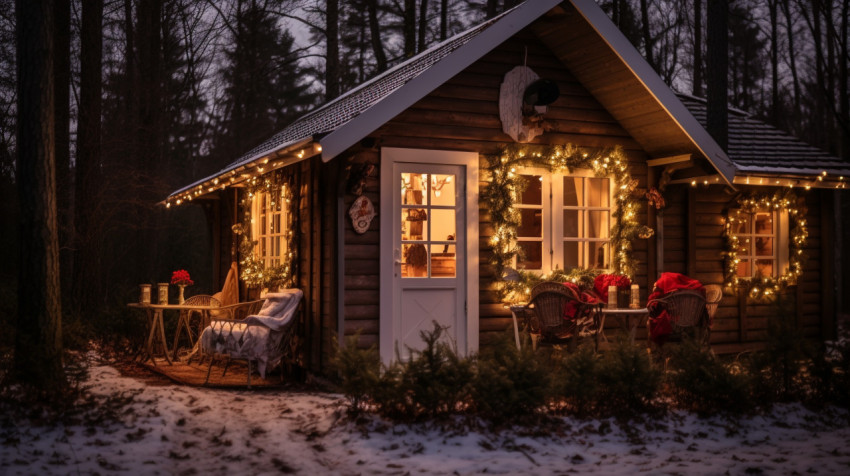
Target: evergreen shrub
(510,384)
(700,382)
(359,371)
(628,380)
(577,383)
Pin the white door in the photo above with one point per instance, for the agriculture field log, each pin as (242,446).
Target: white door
(428,246)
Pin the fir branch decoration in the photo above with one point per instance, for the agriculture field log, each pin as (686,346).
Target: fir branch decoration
(506,185)
(253,271)
(760,287)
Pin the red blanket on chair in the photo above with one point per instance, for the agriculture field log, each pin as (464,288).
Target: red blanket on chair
(659,320)
(571,307)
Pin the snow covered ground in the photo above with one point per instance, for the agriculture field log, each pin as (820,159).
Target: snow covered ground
(171,429)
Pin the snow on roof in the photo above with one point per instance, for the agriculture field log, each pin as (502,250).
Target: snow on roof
(757,147)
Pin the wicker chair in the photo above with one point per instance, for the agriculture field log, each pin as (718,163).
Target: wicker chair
(688,315)
(548,322)
(186,318)
(713,295)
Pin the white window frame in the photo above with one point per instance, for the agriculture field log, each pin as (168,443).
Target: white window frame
(780,235)
(553,207)
(265,234)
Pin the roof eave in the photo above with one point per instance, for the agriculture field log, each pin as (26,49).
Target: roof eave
(369,120)
(662,93)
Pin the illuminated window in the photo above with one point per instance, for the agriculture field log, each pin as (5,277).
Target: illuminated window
(270,228)
(763,243)
(565,222)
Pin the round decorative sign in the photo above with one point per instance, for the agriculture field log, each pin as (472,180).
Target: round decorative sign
(361,212)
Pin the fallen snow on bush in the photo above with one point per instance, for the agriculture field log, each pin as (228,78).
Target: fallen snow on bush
(136,427)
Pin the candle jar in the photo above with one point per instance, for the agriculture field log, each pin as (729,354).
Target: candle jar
(635,297)
(163,293)
(145,294)
(612,297)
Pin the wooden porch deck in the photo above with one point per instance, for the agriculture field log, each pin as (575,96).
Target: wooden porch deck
(195,373)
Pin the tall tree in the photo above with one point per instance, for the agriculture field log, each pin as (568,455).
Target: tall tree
(88,164)
(375,35)
(332,72)
(409,28)
(698,77)
(717,81)
(647,36)
(423,25)
(38,340)
(62,116)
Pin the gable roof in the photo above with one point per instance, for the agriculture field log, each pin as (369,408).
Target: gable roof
(758,148)
(578,32)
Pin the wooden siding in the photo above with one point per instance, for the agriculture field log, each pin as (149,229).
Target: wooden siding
(463,115)
(694,246)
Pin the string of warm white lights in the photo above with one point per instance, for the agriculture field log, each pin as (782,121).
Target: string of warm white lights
(506,184)
(253,269)
(760,286)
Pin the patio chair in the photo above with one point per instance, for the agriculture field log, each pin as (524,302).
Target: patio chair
(184,322)
(688,315)
(264,338)
(559,316)
(713,295)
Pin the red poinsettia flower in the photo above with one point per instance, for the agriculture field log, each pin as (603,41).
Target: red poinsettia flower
(181,277)
(601,283)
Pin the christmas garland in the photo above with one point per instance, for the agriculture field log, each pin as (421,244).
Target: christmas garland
(506,185)
(253,270)
(758,286)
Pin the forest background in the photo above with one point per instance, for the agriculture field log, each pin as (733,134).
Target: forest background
(148,95)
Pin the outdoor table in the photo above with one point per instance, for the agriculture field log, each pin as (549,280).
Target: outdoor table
(156,332)
(517,308)
(624,315)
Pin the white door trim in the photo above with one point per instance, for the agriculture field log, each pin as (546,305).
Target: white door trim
(468,160)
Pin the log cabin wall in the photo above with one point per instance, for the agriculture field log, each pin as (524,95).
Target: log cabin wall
(694,243)
(463,114)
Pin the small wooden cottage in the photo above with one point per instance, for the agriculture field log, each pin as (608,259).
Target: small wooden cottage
(541,141)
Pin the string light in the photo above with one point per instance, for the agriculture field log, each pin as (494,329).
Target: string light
(506,185)
(758,286)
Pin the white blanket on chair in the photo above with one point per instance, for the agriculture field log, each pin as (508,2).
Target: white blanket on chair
(257,337)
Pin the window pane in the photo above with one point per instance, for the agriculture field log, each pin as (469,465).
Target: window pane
(414,224)
(276,226)
(743,268)
(597,224)
(597,192)
(415,261)
(571,223)
(412,189)
(533,193)
(533,251)
(443,261)
(572,191)
(531,223)
(764,246)
(764,223)
(742,224)
(443,190)
(571,254)
(597,254)
(764,267)
(443,225)
(745,246)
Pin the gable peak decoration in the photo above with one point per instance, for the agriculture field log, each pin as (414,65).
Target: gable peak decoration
(523,100)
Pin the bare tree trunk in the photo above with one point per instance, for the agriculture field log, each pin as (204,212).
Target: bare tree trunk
(647,37)
(792,56)
(843,96)
(130,79)
(492,8)
(423,25)
(62,113)
(332,52)
(718,46)
(774,62)
(88,178)
(444,19)
(375,35)
(409,28)
(38,340)
(830,67)
(697,86)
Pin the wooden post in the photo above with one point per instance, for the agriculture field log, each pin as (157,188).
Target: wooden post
(828,256)
(656,242)
(692,232)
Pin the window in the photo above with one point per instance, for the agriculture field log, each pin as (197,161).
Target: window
(428,225)
(565,221)
(763,243)
(269,223)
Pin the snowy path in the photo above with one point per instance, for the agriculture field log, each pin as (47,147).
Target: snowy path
(170,429)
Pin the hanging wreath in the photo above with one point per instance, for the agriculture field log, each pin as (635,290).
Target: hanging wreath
(253,271)
(759,286)
(506,185)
